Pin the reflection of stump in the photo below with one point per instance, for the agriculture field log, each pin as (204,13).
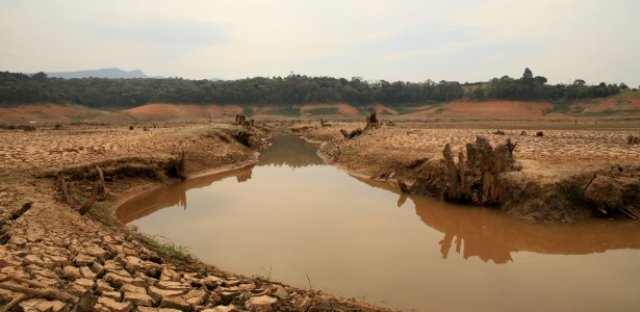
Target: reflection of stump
(539,134)
(633,140)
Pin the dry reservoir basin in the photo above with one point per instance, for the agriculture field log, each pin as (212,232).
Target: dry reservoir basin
(294,219)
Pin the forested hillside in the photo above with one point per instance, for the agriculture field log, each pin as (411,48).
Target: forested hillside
(16,88)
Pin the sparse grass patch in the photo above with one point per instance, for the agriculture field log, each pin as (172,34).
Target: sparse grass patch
(309,282)
(170,250)
(563,107)
(403,110)
(440,110)
(324,111)
(266,276)
(609,112)
(285,111)
(101,213)
(247,111)
(365,110)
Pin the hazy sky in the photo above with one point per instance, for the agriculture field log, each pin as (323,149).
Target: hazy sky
(461,40)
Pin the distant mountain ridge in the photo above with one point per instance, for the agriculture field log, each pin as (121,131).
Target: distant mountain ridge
(112,73)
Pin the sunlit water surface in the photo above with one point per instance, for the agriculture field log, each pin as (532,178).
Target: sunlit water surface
(296,220)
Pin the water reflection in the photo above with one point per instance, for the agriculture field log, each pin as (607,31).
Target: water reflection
(483,233)
(173,195)
(285,150)
(291,151)
(491,235)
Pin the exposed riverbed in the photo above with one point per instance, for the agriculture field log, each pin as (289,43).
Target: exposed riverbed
(294,219)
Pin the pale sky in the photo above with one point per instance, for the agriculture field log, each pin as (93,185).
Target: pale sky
(460,40)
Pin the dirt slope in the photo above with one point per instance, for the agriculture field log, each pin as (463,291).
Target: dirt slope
(622,106)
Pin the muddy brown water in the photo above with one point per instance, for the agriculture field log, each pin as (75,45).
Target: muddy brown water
(294,219)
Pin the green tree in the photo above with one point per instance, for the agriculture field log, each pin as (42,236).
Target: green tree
(528,74)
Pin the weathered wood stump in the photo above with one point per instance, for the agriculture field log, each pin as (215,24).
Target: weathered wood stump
(350,135)
(372,121)
(475,179)
(241,120)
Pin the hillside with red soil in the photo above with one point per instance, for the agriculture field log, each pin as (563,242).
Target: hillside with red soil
(622,106)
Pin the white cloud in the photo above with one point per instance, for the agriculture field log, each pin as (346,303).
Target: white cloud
(393,40)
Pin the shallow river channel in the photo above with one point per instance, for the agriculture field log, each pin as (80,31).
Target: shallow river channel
(294,219)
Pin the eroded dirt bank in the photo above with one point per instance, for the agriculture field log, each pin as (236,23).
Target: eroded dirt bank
(52,258)
(557,175)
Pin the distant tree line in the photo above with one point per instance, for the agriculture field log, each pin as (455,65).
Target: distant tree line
(530,88)
(16,88)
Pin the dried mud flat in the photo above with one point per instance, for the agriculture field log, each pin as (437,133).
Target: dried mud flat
(54,259)
(560,176)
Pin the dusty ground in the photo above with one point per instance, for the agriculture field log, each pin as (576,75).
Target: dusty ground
(54,259)
(560,161)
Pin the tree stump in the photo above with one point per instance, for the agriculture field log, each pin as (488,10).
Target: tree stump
(475,180)
(372,121)
(241,120)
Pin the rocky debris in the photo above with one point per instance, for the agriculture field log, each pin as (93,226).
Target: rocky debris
(37,304)
(134,264)
(175,302)
(92,278)
(115,306)
(71,272)
(136,294)
(499,132)
(261,303)
(147,309)
(117,280)
(279,292)
(222,308)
